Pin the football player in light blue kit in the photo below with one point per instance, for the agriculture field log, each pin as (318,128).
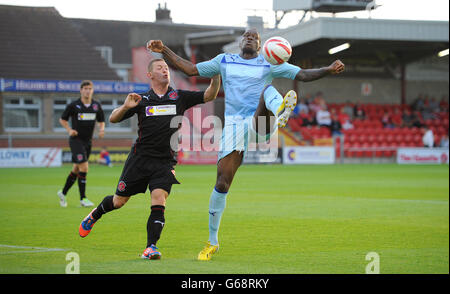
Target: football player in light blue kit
(246,79)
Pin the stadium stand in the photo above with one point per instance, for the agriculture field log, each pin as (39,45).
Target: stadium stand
(370,137)
(398,66)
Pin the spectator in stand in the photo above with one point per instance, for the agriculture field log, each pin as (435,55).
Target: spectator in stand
(323,116)
(428,114)
(347,125)
(433,105)
(428,137)
(342,116)
(308,99)
(348,109)
(443,104)
(407,118)
(358,111)
(444,141)
(301,106)
(335,125)
(387,122)
(426,102)
(397,118)
(428,111)
(306,118)
(315,106)
(417,120)
(296,112)
(418,103)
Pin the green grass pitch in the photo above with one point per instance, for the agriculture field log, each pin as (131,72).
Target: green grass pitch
(279,220)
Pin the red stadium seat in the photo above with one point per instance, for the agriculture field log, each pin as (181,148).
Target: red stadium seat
(377,153)
(362,139)
(408,138)
(371,138)
(347,153)
(389,138)
(367,153)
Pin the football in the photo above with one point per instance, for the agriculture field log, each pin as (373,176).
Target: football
(277,50)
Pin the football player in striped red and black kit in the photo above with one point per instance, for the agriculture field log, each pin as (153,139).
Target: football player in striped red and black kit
(150,163)
(84,113)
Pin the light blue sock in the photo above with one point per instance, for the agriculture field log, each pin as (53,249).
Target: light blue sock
(217,203)
(273,99)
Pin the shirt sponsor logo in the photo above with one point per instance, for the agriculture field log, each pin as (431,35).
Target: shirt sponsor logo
(86,116)
(161,110)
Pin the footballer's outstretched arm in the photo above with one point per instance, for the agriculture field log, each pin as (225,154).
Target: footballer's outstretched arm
(213,89)
(117,114)
(308,75)
(101,129)
(184,65)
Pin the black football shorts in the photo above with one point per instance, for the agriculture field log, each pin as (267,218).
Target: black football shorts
(140,172)
(80,150)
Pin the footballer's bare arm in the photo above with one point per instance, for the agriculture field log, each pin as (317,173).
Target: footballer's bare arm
(213,89)
(65,124)
(308,75)
(132,100)
(184,65)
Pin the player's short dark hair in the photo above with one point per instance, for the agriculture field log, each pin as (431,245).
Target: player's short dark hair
(150,64)
(86,83)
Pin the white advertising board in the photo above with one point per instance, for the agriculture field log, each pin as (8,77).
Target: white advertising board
(422,156)
(30,157)
(308,155)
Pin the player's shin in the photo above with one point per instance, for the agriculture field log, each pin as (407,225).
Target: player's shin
(217,203)
(105,206)
(82,184)
(155,224)
(69,182)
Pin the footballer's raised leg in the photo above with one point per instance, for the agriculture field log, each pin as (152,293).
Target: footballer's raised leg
(109,203)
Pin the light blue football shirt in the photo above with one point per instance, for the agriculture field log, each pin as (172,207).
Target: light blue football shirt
(243,80)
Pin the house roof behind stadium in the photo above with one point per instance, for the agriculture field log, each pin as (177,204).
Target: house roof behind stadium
(38,43)
(121,36)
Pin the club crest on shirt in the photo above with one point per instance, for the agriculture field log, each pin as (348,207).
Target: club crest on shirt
(173,95)
(95,107)
(121,186)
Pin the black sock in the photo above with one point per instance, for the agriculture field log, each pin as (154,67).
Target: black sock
(155,224)
(105,206)
(69,182)
(82,184)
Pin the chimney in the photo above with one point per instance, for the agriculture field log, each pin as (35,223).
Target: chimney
(255,22)
(163,14)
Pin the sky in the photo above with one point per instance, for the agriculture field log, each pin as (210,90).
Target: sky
(228,12)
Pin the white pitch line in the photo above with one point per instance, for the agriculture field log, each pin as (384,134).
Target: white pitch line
(33,249)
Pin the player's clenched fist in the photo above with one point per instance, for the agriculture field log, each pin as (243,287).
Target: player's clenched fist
(337,67)
(155,46)
(73,133)
(132,100)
